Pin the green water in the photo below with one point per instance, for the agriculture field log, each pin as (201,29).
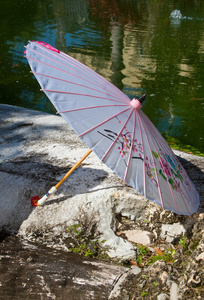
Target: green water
(133,44)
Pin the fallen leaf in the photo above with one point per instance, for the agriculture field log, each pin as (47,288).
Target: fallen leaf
(134,263)
(158,251)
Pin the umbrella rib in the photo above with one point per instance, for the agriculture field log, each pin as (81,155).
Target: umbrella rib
(161,198)
(169,152)
(186,174)
(93,83)
(94,75)
(79,66)
(69,74)
(144,174)
(78,94)
(170,188)
(113,143)
(78,84)
(87,131)
(90,107)
(130,154)
(187,193)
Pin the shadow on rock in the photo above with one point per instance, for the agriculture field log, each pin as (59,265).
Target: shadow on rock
(30,176)
(31,271)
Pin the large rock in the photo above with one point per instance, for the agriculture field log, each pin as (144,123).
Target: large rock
(37,149)
(30,271)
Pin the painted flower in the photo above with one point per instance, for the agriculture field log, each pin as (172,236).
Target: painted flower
(151,172)
(165,167)
(171,161)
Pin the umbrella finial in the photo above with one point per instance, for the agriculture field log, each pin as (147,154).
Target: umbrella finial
(142,98)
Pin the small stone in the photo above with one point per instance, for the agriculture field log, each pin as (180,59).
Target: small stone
(138,236)
(200,256)
(201,217)
(164,276)
(135,270)
(170,232)
(162,297)
(173,289)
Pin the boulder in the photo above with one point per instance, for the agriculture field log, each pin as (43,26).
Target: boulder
(37,149)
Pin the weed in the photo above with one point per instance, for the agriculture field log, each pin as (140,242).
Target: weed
(145,257)
(183,241)
(173,251)
(194,245)
(82,241)
(165,256)
(142,253)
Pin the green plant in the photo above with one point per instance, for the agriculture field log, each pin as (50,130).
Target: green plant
(173,251)
(183,241)
(144,294)
(194,244)
(165,256)
(75,229)
(142,253)
(82,241)
(145,257)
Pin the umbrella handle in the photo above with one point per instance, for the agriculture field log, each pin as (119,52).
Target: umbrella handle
(72,169)
(53,190)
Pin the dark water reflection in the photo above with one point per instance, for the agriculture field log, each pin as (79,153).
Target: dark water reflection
(134,44)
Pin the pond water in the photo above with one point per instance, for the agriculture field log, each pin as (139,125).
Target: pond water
(152,47)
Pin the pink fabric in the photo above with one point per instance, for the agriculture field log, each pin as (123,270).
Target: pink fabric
(136,104)
(48,46)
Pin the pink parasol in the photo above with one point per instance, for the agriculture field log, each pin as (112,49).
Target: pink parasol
(114,127)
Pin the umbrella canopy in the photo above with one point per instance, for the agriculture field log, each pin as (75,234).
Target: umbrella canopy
(114,127)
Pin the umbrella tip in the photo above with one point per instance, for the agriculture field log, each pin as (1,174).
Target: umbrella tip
(142,98)
(34,201)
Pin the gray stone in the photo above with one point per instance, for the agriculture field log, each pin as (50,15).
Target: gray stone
(173,289)
(162,297)
(134,270)
(170,232)
(120,283)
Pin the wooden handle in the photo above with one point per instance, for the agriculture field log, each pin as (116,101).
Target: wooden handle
(72,169)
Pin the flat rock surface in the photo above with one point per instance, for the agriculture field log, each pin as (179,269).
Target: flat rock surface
(31,271)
